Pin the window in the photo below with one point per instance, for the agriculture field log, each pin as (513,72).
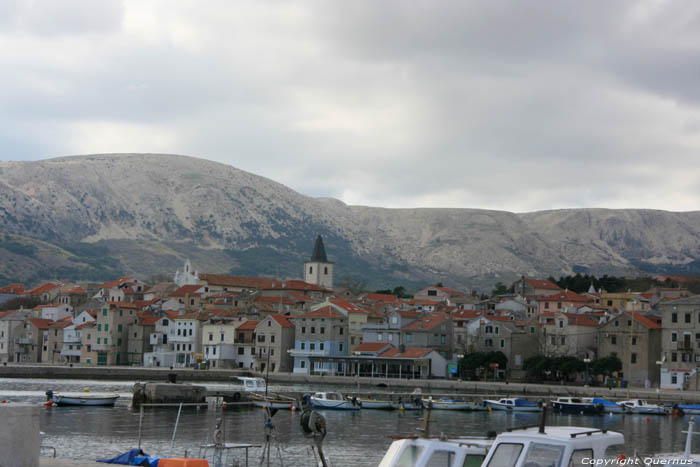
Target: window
(633,358)
(341,331)
(634,340)
(99,327)
(543,454)
(119,328)
(252,350)
(106,341)
(687,317)
(674,357)
(106,327)
(211,336)
(272,338)
(496,330)
(503,343)
(241,336)
(213,349)
(559,305)
(443,338)
(609,302)
(395,320)
(553,340)
(311,271)
(322,330)
(261,337)
(561,323)
(505,454)
(119,341)
(164,322)
(272,354)
(613,340)
(546,305)
(313,330)
(674,379)
(352,340)
(303,329)
(269,322)
(489,330)
(303,345)
(302,364)
(190,332)
(379,336)
(431,293)
(562,340)
(320,346)
(312,346)
(121,312)
(340,347)
(104,311)
(674,317)
(674,337)
(241,351)
(409,338)
(532,329)
(325,270)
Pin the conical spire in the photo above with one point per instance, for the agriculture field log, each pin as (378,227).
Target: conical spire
(319,253)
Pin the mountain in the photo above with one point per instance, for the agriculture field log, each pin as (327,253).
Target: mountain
(95,217)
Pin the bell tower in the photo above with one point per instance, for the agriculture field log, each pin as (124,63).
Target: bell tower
(319,270)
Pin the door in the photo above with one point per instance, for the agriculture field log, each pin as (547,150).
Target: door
(102,358)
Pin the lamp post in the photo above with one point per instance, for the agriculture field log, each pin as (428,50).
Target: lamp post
(459,366)
(587,361)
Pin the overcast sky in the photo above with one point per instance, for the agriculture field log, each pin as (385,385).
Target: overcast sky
(510,105)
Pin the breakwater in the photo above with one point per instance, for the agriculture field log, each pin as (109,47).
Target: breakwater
(350,385)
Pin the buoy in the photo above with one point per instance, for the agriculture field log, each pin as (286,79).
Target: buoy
(86,389)
(223,406)
(49,404)
(4,401)
(647,419)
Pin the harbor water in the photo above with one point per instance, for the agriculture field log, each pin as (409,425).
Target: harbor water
(355,438)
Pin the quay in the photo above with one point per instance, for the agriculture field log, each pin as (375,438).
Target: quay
(349,385)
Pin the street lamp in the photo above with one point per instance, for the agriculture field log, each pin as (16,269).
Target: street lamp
(587,361)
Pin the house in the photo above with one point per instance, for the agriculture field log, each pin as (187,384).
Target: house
(621,301)
(187,339)
(680,337)
(357,317)
(71,346)
(441,294)
(635,338)
(560,301)
(12,325)
(390,328)
(139,340)
(45,292)
(189,296)
(217,283)
(12,289)
(518,341)
(320,336)
(31,341)
(534,287)
(162,348)
(124,289)
(54,312)
(383,360)
(110,337)
(432,330)
(73,296)
(274,337)
(245,344)
(53,348)
(218,341)
(568,334)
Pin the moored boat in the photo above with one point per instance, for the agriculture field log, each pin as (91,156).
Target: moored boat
(576,405)
(447,404)
(640,406)
(688,409)
(513,405)
(609,406)
(107,400)
(331,400)
(373,404)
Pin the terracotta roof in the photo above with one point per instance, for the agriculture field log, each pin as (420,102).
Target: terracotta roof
(467,314)
(249,325)
(577,319)
(448,290)
(564,296)
(324,312)
(381,297)
(187,290)
(149,320)
(239,281)
(282,320)
(371,347)
(409,313)
(347,306)
(299,296)
(117,282)
(88,324)
(61,324)
(40,323)
(145,303)
(133,306)
(225,313)
(408,353)
(418,301)
(79,290)
(43,288)
(172,314)
(425,323)
(275,300)
(199,316)
(541,284)
(648,321)
(297,285)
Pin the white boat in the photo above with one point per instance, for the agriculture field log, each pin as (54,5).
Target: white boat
(107,400)
(251,384)
(551,446)
(684,458)
(447,404)
(409,403)
(609,406)
(576,405)
(513,405)
(641,406)
(372,403)
(331,400)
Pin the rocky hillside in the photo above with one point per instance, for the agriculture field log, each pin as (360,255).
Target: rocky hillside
(94,217)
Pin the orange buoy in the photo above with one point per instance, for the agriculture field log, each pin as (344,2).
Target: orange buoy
(223,406)
(4,401)
(647,419)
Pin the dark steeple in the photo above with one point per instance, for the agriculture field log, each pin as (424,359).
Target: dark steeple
(319,253)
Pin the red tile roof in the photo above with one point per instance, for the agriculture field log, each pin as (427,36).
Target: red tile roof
(117,282)
(649,321)
(249,325)
(381,297)
(467,314)
(425,323)
(564,296)
(371,347)
(580,320)
(40,323)
(282,320)
(149,320)
(448,290)
(187,290)
(275,300)
(347,306)
(130,305)
(43,288)
(298,285)
(324,312)
(61,323)
(78,290)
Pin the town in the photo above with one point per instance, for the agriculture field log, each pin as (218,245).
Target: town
(535,329)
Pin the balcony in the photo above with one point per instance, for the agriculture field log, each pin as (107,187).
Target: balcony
(309,353)
(102,347)
(70,353)
(176,338)
(24,340)
(71,339)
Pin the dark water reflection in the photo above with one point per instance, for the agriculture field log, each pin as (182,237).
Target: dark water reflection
(354,438)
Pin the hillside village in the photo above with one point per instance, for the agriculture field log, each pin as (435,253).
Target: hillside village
(307,326)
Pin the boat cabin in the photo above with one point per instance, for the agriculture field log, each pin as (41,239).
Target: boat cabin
(251,384)
(328,396)
(429,452)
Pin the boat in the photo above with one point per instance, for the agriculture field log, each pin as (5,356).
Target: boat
(373,404)
(684,458)
(277,402)
(640,406)
(560,446)
(251,384)
(688,409)
(513,405)
(576,405)
(331,400)
(447,404)
(609,406)
(409,403)
(107,400)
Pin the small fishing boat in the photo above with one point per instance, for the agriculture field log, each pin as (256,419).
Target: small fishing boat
(609,406)
(577,405)
(689,409)
(331,400)
(409,403)
(513,405)
(373,404)
(447,404)
(640,406)
(107,400)
(251,384)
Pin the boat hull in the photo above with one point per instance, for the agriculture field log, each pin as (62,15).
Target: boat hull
(332,404)
(375,405)
(495,405)
(448,405)
(590,409)
(274,404)
(107,401)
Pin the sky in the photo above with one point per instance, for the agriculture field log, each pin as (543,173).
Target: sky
(517,106)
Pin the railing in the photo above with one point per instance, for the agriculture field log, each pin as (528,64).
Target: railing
(71,353)
(309,353)
(24,340)
(176,338)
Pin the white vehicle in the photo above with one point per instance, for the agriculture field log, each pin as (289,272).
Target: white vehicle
(552,447)
(331,400)
(643,407)
(513,405)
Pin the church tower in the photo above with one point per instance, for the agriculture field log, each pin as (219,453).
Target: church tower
(319,270)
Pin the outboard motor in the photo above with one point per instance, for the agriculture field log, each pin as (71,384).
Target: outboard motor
(354,400)
(49,395)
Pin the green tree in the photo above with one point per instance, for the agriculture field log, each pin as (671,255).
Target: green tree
(499,289)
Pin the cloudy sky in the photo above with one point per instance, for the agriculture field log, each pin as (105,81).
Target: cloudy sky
(512,105)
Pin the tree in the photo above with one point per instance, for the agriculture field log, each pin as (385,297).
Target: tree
(20,302)
(401,292)
(606,365)
(500,289)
